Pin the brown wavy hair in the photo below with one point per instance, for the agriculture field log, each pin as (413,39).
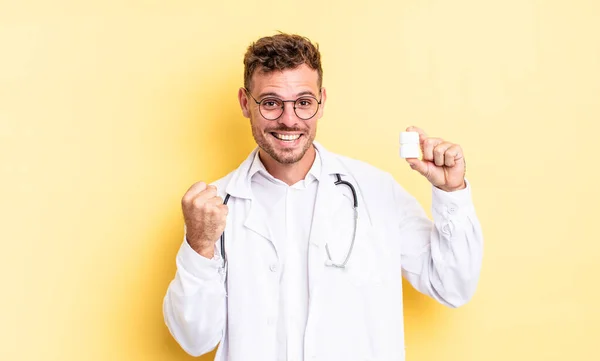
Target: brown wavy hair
(280,52)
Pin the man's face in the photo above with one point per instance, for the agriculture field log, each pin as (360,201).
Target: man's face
(287,138)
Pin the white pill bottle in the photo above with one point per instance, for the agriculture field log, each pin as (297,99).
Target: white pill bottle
(409,145)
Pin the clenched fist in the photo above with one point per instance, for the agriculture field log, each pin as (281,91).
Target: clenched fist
(205,216)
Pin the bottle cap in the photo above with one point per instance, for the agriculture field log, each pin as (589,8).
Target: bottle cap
(409,138)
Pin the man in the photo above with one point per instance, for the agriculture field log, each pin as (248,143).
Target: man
(296,275)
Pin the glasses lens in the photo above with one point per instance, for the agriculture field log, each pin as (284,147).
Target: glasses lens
(306,108)
(271,108)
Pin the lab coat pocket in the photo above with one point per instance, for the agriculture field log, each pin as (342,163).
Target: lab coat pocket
(367,290)
(367,264)
(364,266)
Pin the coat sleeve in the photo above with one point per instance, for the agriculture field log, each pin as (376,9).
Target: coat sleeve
(441,259)
(194,307)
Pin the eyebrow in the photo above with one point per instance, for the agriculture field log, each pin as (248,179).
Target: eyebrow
(274,94)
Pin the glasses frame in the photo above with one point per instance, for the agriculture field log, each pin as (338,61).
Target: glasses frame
(286,101)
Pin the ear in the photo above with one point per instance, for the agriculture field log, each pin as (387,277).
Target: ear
(243,99)
(323,99)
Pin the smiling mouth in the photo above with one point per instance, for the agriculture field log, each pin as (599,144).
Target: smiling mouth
(286,137)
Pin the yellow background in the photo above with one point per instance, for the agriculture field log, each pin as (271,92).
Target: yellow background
(110,109)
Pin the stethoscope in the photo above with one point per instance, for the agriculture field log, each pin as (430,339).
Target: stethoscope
(329,262)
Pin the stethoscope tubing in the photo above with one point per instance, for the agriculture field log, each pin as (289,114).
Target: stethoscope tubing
(329,262)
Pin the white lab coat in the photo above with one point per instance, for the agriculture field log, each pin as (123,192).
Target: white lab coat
(354,313)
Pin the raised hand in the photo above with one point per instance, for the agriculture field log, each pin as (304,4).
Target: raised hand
(205,216)
(443,162)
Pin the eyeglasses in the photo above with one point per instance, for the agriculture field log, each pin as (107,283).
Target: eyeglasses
(272,108)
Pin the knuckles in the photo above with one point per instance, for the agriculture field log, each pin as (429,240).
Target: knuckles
(197,203)
(211,191)
(187,199)
(211,209)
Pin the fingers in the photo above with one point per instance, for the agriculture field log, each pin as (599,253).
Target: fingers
(453,155)
(214,207)
(436,150)
(209,196)
(428,145)
(416,129)
(443,163)
(199,193)
(209,192)
(419,165)
(439,153)
(196,188)
(442,154)
(422,134)
(215,201)
(224,209)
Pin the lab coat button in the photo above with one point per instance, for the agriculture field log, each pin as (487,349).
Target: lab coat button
(452,208)
(273,267)
(446,229)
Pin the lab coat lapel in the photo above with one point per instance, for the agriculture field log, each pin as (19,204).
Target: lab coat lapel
(256,221)
(239,187)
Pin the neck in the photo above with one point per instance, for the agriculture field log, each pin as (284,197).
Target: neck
(289,173)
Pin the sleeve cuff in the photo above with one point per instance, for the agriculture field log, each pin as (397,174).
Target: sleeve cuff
(449,204)
(197,265)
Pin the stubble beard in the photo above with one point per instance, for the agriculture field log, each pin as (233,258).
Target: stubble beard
(285,156)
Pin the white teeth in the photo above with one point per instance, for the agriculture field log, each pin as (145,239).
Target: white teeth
(288,137)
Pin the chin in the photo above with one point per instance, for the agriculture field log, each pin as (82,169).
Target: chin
(288,157)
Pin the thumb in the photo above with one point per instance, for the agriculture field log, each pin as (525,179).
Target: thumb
(418,165)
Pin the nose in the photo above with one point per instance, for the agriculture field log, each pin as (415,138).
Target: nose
(289,117)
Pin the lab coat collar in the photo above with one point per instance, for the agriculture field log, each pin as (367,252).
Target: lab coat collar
(330,162)
(257,166)
(239,185)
